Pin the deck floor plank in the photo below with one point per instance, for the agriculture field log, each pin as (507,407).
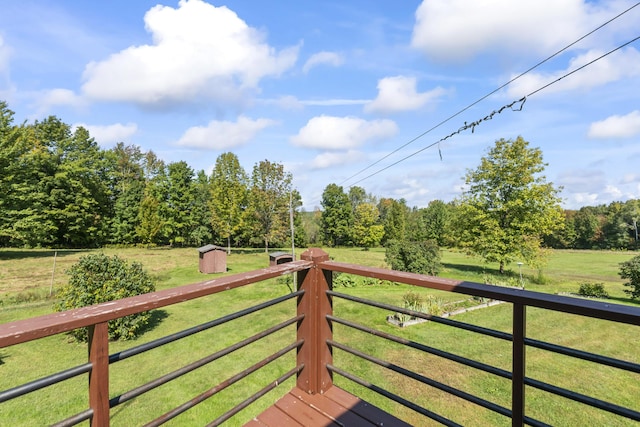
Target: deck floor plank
(363,408)
(334,408)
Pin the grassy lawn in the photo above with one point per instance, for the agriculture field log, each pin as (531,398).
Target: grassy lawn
(26,280)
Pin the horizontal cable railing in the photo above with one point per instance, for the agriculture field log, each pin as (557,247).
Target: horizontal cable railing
(94,316)
(314,343)
(520,299)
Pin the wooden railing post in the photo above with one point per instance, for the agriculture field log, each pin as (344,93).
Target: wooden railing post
(314,328)
(99,374)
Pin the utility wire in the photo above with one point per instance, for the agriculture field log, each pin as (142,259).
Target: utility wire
(585,65)
(520,101)
(480,100)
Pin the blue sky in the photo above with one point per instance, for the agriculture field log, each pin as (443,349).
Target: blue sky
(329,88)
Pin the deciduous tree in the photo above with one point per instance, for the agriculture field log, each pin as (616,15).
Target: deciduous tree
(509,206)
(269,201)
(229,196)
(366,232)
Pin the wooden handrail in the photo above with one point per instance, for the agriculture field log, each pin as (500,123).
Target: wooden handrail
(39,327)
(314,343)
(585,307)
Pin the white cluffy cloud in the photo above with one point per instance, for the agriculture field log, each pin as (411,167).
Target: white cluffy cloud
(107,135)
(626,126)
(396,94)
(222,135)
(458,30)
(622,64)
(325,160)
(342,133)
(199,51)
(322,58)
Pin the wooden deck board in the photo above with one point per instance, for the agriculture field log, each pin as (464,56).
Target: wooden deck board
(335,408)
(364,409)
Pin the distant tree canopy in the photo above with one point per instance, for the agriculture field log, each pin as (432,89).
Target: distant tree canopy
(58,188)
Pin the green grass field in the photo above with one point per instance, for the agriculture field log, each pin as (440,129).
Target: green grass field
(26,281)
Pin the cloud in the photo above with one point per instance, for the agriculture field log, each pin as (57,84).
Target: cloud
(397,94)
(325,160)
(323,58)
(458,30)
(290,102)
(199,51)
(334,102)
(57,97)
(583,181)
(109,134)
(624,63)
(342,133)
(222,135)
(626,126)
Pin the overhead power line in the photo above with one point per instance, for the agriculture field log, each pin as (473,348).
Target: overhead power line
(411,141)
(510,106)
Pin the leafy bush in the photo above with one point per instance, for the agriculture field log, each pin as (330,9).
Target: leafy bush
(415,257)
(594,290)
(414,301)
(351,281)
(631,270)
(98,278)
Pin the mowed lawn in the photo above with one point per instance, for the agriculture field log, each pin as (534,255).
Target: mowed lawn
(27,278)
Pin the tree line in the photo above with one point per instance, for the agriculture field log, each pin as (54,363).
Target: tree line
(58,188)
(508,213)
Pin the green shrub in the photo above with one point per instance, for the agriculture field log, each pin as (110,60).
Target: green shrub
(415,257)
(98,278)
(414,301)
(351,281)
(509,282)
(594,290)
(631,270)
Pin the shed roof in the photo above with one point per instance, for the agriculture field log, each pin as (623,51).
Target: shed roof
(208,248)
(279,254)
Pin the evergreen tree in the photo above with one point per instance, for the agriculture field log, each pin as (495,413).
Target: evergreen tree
(128,190)
(180,200)
(201,231)
(337,216)
(393,214)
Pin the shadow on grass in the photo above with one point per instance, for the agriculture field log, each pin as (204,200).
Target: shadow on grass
(247,251)
(476,269)
(626,301)
(157,316)
(16,254)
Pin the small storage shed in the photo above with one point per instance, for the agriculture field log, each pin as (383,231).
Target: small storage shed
(213,259)
(276,258)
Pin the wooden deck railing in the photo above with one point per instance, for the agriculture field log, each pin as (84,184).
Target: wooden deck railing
(315,342)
